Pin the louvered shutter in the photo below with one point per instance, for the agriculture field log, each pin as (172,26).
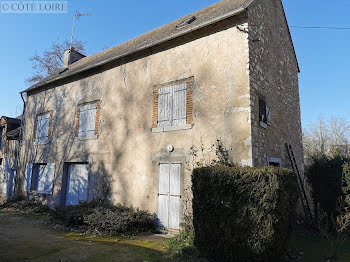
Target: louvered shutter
(28,177)
(91,120)
(179,109)
(164,106)
(83,118)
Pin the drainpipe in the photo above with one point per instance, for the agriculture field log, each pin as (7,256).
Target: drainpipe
(20,141)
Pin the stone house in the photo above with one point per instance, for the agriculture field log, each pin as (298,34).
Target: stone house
(9,149)
(130,123)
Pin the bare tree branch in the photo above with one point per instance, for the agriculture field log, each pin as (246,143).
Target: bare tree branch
(51,59)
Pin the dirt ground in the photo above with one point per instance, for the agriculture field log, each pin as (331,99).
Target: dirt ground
(28,238)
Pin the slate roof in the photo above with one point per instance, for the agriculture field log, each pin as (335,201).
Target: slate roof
(204,17)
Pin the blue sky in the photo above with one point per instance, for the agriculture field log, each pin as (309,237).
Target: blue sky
(323,55)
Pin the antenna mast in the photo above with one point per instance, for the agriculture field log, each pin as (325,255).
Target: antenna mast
(71,38)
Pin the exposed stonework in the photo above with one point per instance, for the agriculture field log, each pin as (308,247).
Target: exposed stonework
(273,77)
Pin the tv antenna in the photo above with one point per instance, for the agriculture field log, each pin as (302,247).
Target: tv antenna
(71,38)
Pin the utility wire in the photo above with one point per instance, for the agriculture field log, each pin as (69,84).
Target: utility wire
(321,27)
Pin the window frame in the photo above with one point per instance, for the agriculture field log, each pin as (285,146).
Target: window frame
(188,106)
(46,139)
(96,124)
(35,176)
(276,160)
(264,119)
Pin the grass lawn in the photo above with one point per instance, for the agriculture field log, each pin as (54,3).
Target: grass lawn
(28,238)
(314,249)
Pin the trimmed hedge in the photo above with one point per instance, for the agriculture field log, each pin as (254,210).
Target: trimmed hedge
(243,214)
(325,178)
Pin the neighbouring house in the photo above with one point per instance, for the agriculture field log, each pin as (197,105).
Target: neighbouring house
(10,130)
(130,123)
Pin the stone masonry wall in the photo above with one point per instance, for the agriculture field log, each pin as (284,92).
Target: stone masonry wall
(273,77)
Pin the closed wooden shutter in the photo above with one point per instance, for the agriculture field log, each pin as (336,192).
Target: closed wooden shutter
(77,184)
(163,195)
(165,97)
(179,108)
(87,120)
(46,177)
(169,196)
(28,178)
(83,118)
(91,120)
(43,126)
(175,197)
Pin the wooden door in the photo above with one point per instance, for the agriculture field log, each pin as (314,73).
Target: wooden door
(77,184)
(169,196)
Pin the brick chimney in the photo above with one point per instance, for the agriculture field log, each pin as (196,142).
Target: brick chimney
(71,56)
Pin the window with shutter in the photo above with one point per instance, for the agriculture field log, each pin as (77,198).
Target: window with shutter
(43,128)
(264,113)
(87,120)
(172,105)
(40,178)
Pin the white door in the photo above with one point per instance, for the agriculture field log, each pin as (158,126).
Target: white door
(77,184)
(169,196)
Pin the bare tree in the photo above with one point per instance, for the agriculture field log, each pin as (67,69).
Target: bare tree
(326,137)
(51,59)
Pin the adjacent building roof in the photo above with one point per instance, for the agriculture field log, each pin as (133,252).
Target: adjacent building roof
(214,13)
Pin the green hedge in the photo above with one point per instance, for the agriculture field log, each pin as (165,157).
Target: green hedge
(325,178)
(243,214)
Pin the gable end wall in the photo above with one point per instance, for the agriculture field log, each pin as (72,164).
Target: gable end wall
(273,77)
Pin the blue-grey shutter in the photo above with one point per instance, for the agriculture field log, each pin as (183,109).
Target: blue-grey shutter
(43,128)
(179,109)
(83,118)
(163,195)
(41,178)
(165,106)
(77,184)
(49,178)
(91,120)
(28,177)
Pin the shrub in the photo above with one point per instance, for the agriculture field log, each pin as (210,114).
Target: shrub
(182,246)
(243,214)
(104,219)
(20,204)
(325,178)
(116,220)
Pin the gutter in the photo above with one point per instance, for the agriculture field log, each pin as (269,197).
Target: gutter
(197,27)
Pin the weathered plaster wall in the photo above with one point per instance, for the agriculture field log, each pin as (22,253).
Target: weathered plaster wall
(126,152)
(274,77)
